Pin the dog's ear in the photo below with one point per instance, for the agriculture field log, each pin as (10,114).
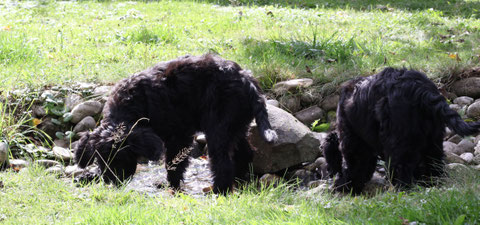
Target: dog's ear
(84,152)
(143,141)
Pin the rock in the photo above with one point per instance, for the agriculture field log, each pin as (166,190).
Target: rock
(88,108)
(48,127)
(62,153)
(466,145)
(307,98)
(73,171)
(332,116)
(457,167)
(449,146)
(473,111)
(47,163)
(296,143)
(85,86)
(304,176)
(377,183)
(467,157)
(72,100)
(316,183)
(453,158)
(38,111)
(291,103)
(455,107)
(18,164)
(283,87)
(308,115)
(57,170)
(330,102)
(201,138)
(61,143)
(317,165)
(3,155)
(467,87)
(269,179)
(455,139)
(273,102)
(102,90)
(317,191)
(476,159)
(477,167)
(86,124)
(463,101)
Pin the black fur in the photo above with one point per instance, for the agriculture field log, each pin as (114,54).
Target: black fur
(157,112)
(398,116)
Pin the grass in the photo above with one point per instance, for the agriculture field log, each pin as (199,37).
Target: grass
(48,42)
(54,43)
(34,197)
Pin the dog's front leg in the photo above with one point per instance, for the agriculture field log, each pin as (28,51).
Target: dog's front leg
(176,160)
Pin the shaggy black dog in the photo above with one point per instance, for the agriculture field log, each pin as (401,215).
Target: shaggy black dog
(398,116)
(159,110)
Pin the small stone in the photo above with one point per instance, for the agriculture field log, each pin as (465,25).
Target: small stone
(88,108)
(316,183)
(61,143)
(57,170)
(73,171)
(455,139)
(62,153)
(18,164)
(463,101)
(38,111)
(47,163)
(466,145)
(309,115)
(330,102)
(3,155)
(457,167)
(269,179)
(201,138)
(273,102)
(291,85)
(102,90)
(455,107)
(304,176)
(476,159)
(376,183)
(316,165)
(72,100)
(86,86)
(467,157)
(86,124)
(453,158)
(290,103)
(307,98)
(449,147)
(473,110)
(48,127)
(467,87)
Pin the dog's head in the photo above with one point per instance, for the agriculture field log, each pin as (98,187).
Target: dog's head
(116,149)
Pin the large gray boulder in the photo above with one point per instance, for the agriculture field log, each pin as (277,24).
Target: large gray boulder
(467,87)
(296,143)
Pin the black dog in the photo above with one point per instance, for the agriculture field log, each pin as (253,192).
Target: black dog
(159,110)
(398,116)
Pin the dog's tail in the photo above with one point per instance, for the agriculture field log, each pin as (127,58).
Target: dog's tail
(332,154)
(440,107)
(260,113)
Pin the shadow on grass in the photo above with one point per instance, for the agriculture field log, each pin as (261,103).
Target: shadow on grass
(451,8)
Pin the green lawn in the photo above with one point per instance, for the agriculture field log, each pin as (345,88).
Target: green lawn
(33,197)
(49,42)
(57,43)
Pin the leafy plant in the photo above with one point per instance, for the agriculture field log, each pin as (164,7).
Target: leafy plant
(320,127)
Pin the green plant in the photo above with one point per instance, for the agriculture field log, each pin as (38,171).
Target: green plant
(320,127)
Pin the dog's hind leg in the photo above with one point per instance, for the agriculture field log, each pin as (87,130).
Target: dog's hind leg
(221,147)
(176,159)
(243,156)
(360,163)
